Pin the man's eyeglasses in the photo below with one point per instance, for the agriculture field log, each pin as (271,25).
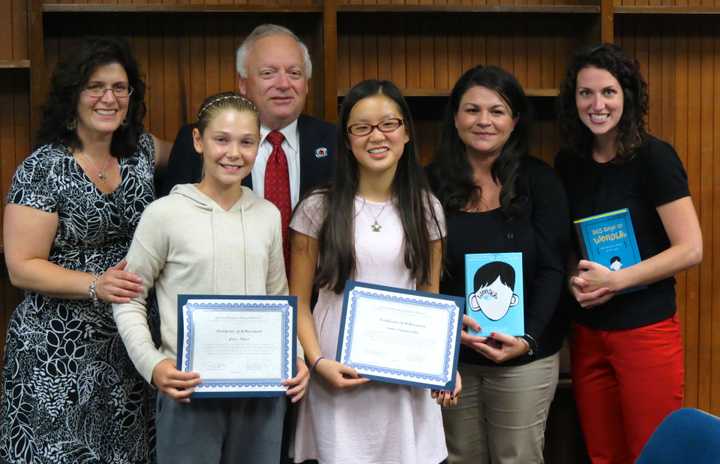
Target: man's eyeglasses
(361,129)
(98,90)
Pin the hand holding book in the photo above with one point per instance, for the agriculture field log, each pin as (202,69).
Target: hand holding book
(593,285)
(500,347)
(497,347)
(608,244)
(466,338)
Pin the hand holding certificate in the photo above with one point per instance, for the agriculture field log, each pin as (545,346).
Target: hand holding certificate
(240,345)
(400,336)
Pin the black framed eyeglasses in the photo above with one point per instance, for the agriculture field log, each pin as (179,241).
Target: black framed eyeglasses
(98,90)
(361,129)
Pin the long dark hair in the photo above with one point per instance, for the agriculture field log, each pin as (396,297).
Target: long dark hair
(70,77)
(451,174)
(410,194)
(631,131)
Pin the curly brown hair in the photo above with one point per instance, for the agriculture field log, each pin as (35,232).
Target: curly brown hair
(70,77)
(631,128)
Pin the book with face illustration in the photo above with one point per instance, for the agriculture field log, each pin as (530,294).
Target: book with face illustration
(494,292)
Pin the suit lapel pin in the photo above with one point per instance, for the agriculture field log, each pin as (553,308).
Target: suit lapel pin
(321,152)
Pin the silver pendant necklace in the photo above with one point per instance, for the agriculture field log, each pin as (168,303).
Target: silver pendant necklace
(376,226)
(100,172)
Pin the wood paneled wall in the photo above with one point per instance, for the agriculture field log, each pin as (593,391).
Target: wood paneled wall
(184,57)
(13,30)
(14,125)
(14,122)
(14,147)
(680,58)
(425,54)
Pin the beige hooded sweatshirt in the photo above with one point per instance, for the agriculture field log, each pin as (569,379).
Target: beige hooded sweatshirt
(186,243)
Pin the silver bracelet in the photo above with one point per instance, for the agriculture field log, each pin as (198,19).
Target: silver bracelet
(532,344)
(92,291)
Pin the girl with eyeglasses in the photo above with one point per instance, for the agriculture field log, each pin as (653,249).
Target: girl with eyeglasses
(377,223)
(70,392)
(626,345)
(499,199)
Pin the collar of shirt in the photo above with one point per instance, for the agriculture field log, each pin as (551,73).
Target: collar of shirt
(291,147)
(291,137)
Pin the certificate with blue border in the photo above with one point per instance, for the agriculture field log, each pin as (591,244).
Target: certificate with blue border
(401,336)
(242,346)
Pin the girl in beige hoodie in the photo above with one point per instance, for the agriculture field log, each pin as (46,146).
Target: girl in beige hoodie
(215,237)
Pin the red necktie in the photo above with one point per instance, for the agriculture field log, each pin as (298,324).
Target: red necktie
(277,188)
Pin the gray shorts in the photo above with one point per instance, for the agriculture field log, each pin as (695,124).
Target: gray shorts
(226,430)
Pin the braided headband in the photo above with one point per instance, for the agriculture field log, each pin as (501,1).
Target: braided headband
(222,98)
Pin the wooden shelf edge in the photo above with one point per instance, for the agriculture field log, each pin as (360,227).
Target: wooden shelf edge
(549,9)
(163,8)
(530,92)
(14,64)
(672,10)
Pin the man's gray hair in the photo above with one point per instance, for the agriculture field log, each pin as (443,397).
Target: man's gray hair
(265,30)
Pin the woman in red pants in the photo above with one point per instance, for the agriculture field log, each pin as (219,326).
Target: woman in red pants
(627,357)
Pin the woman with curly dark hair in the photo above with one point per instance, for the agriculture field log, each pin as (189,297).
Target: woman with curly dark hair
(499,199)
(70,392)
(627,357)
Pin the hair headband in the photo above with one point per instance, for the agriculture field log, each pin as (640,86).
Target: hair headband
(222,98)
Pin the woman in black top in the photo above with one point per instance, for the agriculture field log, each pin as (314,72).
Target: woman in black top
(498,199)
(627,360)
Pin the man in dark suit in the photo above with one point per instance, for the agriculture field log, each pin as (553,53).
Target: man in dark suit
(273,68)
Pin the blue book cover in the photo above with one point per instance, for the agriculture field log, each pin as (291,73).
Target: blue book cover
(608,239)
(494,292)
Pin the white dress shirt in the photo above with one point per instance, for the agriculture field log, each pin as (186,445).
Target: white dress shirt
(291,146)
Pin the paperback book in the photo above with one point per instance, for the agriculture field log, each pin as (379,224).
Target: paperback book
(608,239)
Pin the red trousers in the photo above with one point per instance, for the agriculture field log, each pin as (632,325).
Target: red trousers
(625,383)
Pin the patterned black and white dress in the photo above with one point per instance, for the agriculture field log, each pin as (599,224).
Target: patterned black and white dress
(70,392)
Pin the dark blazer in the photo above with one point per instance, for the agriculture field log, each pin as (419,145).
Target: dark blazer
(318,146)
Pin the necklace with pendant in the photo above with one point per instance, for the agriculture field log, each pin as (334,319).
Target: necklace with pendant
(100,172)
(376,226)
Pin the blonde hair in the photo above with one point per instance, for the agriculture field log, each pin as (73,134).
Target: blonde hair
(214,104)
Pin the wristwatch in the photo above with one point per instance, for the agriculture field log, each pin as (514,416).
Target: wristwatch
(532,344)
